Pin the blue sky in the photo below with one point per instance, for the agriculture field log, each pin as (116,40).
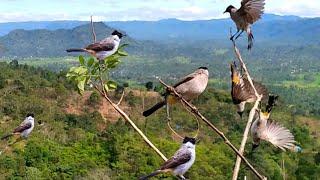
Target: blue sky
(111,10)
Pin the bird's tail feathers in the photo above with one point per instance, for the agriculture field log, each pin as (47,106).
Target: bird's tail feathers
(153,108)
(150,175)
(6,136)
(250,40)
(76,50)
(280,136)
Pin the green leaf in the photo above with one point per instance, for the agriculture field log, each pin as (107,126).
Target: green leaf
(112,84)
(81,86)
(90,62)
(81,60)
(106,88)
(122,53)
(122,46)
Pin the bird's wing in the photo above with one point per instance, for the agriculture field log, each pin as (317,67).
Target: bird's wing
(261,89)
(242,91)
(278,135)
(251,10)
(105,45)
(185,79)
(23,126)
(179,158)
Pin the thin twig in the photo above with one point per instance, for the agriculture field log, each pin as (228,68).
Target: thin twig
(196,112)
(94,37)
(251,115)
(119,102)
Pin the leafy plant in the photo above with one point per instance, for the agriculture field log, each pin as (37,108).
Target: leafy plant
(90,71)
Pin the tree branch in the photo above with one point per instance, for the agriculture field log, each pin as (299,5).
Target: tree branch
(94,37)
(204,119)
(126,117)
(119,102)
(251,115)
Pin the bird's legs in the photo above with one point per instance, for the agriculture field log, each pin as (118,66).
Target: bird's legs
(231,38)
(239,34)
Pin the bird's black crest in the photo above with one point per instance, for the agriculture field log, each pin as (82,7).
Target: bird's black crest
(188,139)
(205,68)
(30,114)
(119,34)
(229,9)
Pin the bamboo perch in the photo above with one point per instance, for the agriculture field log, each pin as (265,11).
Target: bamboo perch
(204,119)
(251,114)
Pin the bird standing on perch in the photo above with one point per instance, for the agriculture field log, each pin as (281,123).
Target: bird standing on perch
(249,12)
(265,129)
(104,48)
(180,162)
(242,91)
(24,129)
(190,87)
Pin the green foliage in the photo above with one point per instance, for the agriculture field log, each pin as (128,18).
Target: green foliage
(90,70)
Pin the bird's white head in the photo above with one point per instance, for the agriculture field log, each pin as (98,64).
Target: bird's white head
(30,117)
(203,70)
(190,143)
(117,35)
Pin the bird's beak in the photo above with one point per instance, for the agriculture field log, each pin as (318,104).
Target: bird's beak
(224,12)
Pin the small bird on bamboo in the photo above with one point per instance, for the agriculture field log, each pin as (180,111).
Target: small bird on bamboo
(104,48)
(180,162)
(249,12)
(189,87)
(24,129)
(242,91)
(265,129)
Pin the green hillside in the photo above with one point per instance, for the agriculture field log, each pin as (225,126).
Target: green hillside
(69,142)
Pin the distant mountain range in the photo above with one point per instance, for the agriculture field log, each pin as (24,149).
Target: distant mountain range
(149,37)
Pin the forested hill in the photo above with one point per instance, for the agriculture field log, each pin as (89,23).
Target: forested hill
(81,137)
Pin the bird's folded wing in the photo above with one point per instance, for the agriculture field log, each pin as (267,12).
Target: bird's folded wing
(279,136)
(23,126)
(242,91)
(261,89)
(104,45)
(251,10)
(185,79)
(179,158)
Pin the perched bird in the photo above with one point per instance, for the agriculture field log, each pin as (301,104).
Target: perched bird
(249,12)
(189,87)
(180,162)
(24,129)
(242,91)
(265,129)
(103,48)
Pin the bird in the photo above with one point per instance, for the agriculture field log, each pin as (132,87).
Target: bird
(189,87)
(180,162)
(265,129)
(24,129)
(242,91)
(249,12)
(104,48)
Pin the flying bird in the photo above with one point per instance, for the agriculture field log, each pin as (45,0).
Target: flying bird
(104,48)
(24,129)
(265,129)
(189,87)
(249,12)
(242,91)
(180,162)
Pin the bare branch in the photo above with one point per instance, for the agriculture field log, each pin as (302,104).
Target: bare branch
(251,115)
(126,117)
(204,119)
(94,37)
(119,102)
